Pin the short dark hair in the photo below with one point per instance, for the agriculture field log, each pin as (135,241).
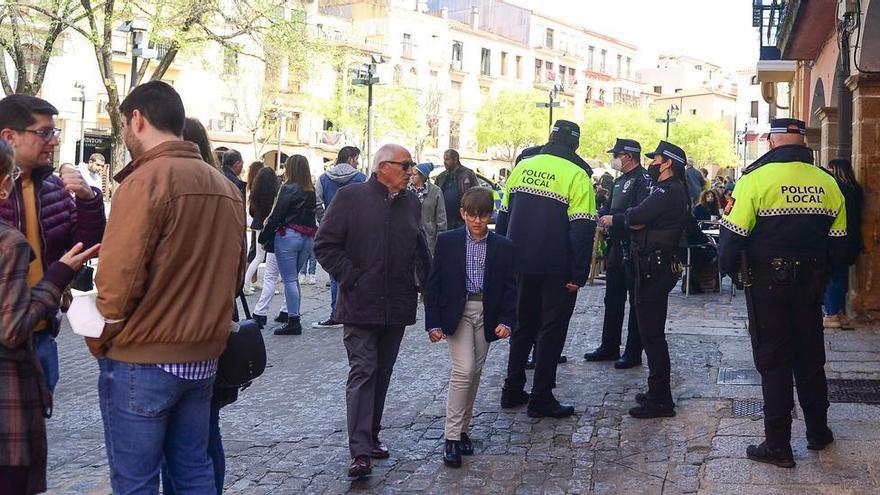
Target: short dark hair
(159,103)
(478,201)
(17,111)
(231,157)
(347,153)
(452,154)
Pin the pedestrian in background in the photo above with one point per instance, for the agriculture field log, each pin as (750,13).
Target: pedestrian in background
(260,200)
(93,171)
(25,400)
(433,205)
(195,132)
(454,182)
(835,292)
(371,242)
(344,173)
(695,182)
(470,302)
(708,207)
(54,212)
(289,232)
(172,261)
(253,169)
(232,167)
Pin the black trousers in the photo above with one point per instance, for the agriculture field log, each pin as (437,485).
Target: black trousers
(619,283)
(544,309)
(785,325)
(652,301)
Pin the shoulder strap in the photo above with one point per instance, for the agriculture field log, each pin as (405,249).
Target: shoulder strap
(244,305)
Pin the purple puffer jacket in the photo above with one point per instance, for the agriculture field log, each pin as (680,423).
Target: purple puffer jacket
(63,220)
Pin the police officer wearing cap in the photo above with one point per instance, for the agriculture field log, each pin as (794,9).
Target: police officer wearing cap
(549,212)
(629,190)
(657,225)
(784,232)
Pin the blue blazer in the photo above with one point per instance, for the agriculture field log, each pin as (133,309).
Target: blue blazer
(446,292)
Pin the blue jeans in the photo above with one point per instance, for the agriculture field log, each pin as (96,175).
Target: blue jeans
(334,287)
(835,292)
(150,414)
(215,452)
(291,251)
(47,352)
(311,265)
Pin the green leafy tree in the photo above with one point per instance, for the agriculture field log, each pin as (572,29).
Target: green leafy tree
(511,121)
(706,142)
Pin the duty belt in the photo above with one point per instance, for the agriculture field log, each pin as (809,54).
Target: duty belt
(782,270)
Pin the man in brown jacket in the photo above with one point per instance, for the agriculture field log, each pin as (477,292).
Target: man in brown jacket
(172,260)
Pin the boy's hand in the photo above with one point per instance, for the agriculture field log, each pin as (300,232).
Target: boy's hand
(436,335)
(502,332)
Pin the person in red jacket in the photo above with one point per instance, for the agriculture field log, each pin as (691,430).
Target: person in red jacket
(53,212)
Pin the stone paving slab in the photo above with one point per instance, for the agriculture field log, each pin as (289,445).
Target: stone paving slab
(286,434)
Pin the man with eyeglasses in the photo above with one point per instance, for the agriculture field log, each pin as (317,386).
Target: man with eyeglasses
(371,242)
(53,212)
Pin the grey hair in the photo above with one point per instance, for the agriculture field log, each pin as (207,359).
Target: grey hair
(385,153)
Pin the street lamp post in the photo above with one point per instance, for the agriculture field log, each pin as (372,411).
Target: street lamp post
(139,45)
(367,76)
(82,119)
(554,92)
(669,118)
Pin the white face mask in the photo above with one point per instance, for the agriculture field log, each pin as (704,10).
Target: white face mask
(616,164)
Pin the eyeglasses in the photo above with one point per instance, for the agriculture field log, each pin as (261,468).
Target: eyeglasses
(16,173)
(475,218)
(405,165)
(46,134)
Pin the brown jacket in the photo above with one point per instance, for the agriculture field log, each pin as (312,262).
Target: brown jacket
(172,259)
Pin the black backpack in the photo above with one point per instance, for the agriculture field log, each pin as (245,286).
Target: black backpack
(245,356)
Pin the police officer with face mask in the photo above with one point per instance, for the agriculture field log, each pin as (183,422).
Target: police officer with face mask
(629,190)
(657,225)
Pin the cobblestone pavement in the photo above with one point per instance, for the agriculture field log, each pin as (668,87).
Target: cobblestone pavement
(286,434)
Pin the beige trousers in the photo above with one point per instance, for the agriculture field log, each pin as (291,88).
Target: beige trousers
(467,350)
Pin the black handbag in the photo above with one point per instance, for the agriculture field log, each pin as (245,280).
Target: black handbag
(84,279)
(245,356)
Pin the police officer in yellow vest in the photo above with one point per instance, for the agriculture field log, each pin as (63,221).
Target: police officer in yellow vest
(549,212)
(786,228)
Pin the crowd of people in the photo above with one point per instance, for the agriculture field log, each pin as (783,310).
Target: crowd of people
(178,232)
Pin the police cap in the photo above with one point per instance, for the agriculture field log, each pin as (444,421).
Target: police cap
(788,126)
(566,133)
(671,151)
(626,146)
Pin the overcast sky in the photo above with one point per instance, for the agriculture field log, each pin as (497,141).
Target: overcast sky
(718,31)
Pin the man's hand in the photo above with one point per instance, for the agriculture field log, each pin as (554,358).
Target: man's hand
(75,184)
(606,221)
(436,335)
(572,287)
(502,332)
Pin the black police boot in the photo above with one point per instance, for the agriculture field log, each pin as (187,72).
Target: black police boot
(513,398)
(452,453)
(650,409)
(292,327)
(778,457)
(261,320)
(819,442)
(626,362)
(282,317)
(549,409)
(466,446)
(562,360)
(602,354)
(641,398)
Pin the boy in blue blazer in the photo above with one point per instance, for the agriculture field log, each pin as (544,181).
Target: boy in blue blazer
(470,301)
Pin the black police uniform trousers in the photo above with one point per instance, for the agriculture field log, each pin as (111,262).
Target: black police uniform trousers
(655,281)
(619,283)
(544,309)
(785,326)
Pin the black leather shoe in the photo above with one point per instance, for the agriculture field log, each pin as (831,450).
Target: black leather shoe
(553,410)
(819,442)
(641,398)
(380,451)
(360,467)
(282,317)
(626,362)
(452,453)
(778,457)
(466,447)
(261,320)
(292,327)
(648,409)
(513,398)
(601,354)
(562,360)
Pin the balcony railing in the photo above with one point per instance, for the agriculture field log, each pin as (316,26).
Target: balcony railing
(767,17)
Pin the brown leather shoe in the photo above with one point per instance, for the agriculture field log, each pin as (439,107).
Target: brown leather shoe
(360,467)
(380,451)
